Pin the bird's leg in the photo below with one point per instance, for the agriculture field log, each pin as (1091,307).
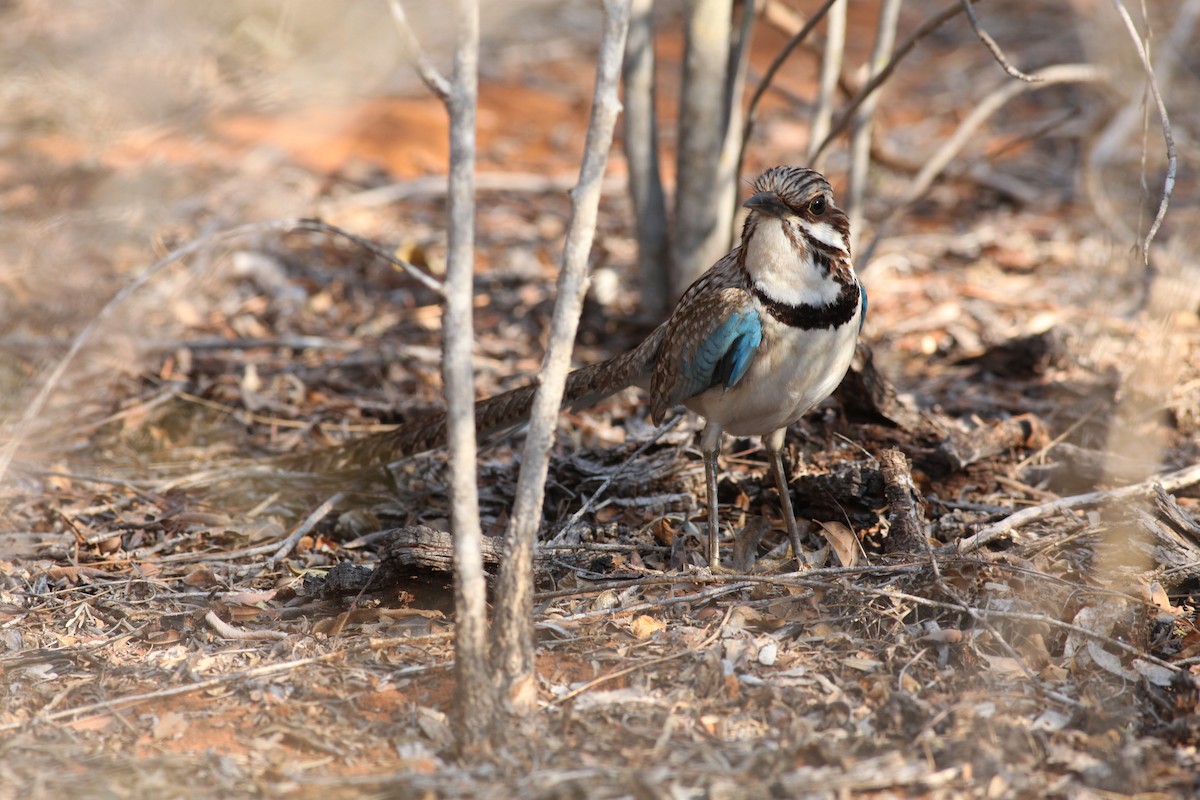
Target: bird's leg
(710,446)
(774,444)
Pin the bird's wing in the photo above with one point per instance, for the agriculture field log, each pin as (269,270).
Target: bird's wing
(710,341)
(862,319)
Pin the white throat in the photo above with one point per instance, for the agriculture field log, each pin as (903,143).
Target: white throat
(786,274)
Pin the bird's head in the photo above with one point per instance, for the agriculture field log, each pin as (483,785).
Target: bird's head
(803,201)
(795,233)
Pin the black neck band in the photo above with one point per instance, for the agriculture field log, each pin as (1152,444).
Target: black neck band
(810,317)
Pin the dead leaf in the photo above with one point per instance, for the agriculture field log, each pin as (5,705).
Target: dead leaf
(645,626)
(862,663)
(201,577)
(1006,666)
(843,541)
(96,723)
(170,725)
(249,598)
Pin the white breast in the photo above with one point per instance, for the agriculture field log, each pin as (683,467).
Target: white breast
(793,371)
(773,265)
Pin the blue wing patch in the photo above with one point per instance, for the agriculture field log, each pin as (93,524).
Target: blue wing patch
(862,320)
(722,357)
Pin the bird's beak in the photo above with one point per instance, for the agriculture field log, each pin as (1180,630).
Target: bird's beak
(767,203)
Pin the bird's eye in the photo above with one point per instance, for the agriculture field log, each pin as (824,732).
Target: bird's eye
(817,207)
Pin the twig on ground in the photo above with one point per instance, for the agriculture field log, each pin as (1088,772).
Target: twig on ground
(613,475)
(1172,481)
(592,684)
(708,593)
(302,530)
(229,632)
(115,703)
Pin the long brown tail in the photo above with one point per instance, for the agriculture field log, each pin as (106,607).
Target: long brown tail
(585,387)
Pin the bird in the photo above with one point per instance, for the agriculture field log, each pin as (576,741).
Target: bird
(758,340)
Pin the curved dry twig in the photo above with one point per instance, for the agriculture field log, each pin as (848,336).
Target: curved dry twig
(1168,138)
(993,47)
(989,105)
(421,62)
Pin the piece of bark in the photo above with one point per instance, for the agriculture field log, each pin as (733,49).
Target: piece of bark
(1022,356)
(851,491)
(1170,512)
(1173,539)
(424,548)
(960,449)
(866,394)
(906,519)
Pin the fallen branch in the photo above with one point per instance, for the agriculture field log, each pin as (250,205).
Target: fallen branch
(227,631)
(1170,482)
(302,530)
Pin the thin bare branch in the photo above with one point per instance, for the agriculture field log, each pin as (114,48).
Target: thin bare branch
(992,47)
(993,102)
(831,71)
(416,273)
(514,611)
(475,698)
(860,137)
(929,26)
(417,56)
(1113,142)
(126,701)
(794,42)
(1168,138)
